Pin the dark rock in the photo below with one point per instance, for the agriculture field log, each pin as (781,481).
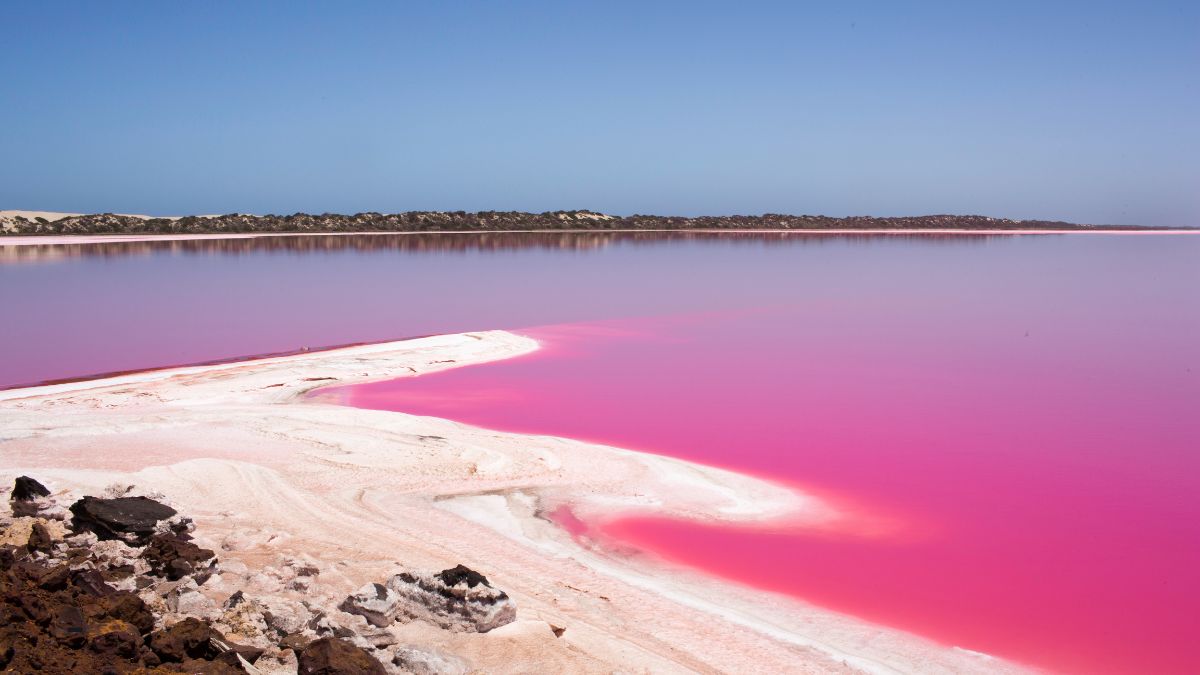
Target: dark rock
(124,606)
(68,626)
(91,582)
(330,656)
(188,639)
(202,667)
(55,578)
(8,556)
(459,574)
(174,558)
(116,639)
(235,599)
(128,518)
(39,539)
(26,489)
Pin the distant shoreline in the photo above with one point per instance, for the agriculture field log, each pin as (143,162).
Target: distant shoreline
(52,239)
(50,224)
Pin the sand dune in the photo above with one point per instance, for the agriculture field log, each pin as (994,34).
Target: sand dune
(270,472)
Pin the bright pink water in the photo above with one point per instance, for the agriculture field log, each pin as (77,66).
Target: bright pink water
(1012,421)
(1020,454)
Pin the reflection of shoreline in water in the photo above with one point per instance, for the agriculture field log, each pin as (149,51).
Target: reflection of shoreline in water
(451,242)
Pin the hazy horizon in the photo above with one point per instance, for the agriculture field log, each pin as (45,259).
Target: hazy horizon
(1080,112)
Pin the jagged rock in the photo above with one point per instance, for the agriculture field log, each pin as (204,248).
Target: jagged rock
(424,662)
(31,498)
(130,519)
(174,558)
(235,599)
(376,603)
(456,599)
(26,489)
(460,574)
(330,656)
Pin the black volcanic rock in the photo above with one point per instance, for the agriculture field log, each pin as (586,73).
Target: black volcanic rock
(174,558)
(127,518)
(459,574)
(26,489)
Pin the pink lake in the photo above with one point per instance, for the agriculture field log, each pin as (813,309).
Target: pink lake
(1012,420)
(1020,450)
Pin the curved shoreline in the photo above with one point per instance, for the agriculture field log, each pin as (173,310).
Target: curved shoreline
(276,473)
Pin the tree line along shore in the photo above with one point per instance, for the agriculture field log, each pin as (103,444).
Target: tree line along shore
(461,221)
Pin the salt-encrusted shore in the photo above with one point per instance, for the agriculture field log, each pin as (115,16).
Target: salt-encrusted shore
(273,475)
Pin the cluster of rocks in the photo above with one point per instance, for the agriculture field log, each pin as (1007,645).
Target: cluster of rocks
(434,221)
(118,584)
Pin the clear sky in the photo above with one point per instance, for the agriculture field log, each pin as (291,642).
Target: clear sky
(1080,111)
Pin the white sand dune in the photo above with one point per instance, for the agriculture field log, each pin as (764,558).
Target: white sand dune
(271,473)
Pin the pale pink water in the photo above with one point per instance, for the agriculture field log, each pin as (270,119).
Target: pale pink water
(1012,419)
(1022,453)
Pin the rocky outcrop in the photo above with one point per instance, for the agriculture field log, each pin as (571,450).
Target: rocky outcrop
(123,587)
(130,519)
(73,603)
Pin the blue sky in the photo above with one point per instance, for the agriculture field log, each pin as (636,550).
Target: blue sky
(1077,111)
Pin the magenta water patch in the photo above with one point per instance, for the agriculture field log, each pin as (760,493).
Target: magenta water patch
(1037,471)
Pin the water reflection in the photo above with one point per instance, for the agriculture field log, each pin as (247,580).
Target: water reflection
(451,242)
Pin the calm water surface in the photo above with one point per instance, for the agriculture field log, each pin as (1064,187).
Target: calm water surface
(1009,423)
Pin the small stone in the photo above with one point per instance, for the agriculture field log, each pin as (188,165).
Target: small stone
(330,656)
(39,539)
(295,642)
